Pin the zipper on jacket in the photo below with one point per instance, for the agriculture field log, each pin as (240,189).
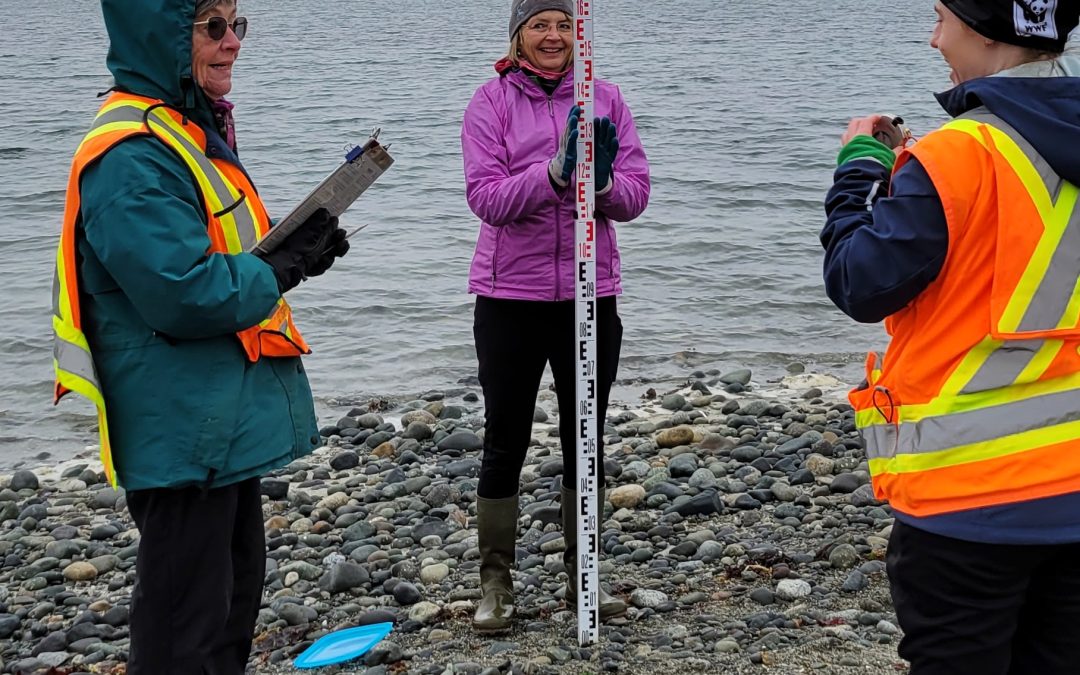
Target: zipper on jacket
(495,258)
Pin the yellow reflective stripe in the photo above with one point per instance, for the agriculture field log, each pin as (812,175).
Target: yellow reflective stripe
(108,129)
(969,366)
(188,149)
(969,127)
(106,447)
(946,405)
(978,452)
(1040,362)
(216,189)
(1056,217)
(63,302)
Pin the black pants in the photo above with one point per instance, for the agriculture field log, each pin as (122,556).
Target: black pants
(985,609)
(515,339)
(199,578)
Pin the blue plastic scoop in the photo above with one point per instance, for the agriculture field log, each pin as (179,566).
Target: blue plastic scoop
(343,645)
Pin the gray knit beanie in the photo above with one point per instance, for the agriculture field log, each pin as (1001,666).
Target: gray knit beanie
(523,10)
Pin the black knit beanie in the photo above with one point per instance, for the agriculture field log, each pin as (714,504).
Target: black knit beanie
(1038,24)
(523,10)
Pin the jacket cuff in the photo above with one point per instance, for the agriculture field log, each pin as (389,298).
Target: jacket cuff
(866,147)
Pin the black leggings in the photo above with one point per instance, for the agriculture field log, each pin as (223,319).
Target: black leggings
(515,339)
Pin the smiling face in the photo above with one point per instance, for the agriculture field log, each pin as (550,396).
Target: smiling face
(212,60)
(964,50)
(547,40)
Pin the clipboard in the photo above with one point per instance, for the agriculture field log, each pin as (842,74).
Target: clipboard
(336,193)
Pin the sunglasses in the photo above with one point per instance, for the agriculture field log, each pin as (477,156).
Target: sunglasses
(217,25)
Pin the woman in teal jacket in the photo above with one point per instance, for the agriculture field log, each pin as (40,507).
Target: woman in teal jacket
(193,422)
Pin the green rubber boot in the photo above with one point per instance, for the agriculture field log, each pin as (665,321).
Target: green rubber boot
(610,606)
(497,524)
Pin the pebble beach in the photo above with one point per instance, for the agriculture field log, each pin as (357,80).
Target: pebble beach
(740,527)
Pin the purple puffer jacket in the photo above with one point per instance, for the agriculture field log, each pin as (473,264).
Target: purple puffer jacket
(525,250)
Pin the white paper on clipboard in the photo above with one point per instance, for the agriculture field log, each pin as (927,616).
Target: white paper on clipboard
(336,193)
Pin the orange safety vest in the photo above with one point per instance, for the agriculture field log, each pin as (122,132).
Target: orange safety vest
(235,216)
(977,402)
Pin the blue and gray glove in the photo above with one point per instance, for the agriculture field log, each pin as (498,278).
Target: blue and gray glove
(607,148)
(565,159)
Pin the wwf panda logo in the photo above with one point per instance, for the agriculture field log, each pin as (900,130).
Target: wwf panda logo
(1035,18)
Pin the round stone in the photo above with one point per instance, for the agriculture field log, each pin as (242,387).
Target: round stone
(80,571)
(626,496)
(433,574)
(792,589)
(24,480)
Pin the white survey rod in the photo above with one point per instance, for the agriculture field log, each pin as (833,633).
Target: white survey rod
(588,580)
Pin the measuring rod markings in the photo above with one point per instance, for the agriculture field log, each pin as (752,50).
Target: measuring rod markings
(588,582)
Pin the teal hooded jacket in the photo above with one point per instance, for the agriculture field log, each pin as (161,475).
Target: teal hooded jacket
(185,406)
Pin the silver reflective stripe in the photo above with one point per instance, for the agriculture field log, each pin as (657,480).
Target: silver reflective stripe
(934,434)
(245,224)
(1003,366)
(1055,292)
(123,113)
(1049,177)
(74,359)
(56,292)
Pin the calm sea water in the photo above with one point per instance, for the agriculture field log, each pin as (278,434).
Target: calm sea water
(739,104)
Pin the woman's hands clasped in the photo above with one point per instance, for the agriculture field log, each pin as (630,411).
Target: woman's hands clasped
(606,146)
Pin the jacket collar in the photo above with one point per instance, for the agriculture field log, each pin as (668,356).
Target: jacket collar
(531,89)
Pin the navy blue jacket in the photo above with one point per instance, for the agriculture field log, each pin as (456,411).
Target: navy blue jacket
(886,240)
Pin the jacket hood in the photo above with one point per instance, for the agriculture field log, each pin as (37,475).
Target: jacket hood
(1041,100)
(150,52)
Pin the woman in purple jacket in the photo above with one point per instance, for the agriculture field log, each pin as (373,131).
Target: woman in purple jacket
(519,141)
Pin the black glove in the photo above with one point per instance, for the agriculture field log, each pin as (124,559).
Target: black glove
(303,250)
(336,247)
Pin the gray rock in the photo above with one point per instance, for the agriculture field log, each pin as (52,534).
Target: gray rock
(465,468)
(344,576)
(683,466)
(53,642)
(855,582)
(425,612)
(710,550)
(369,421)
(105,498)
(762,596)
(737,377)
(297,615)
(24,480)
(8,625)
(864,496)
(702,479)
(461,440)
(792,589)
(540,415)
(845,483)
(383,653)
(746,453)
(406,593)
(345,461)
(843,556)
(646,598)
(784,492)
(673,402)
(418,431)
